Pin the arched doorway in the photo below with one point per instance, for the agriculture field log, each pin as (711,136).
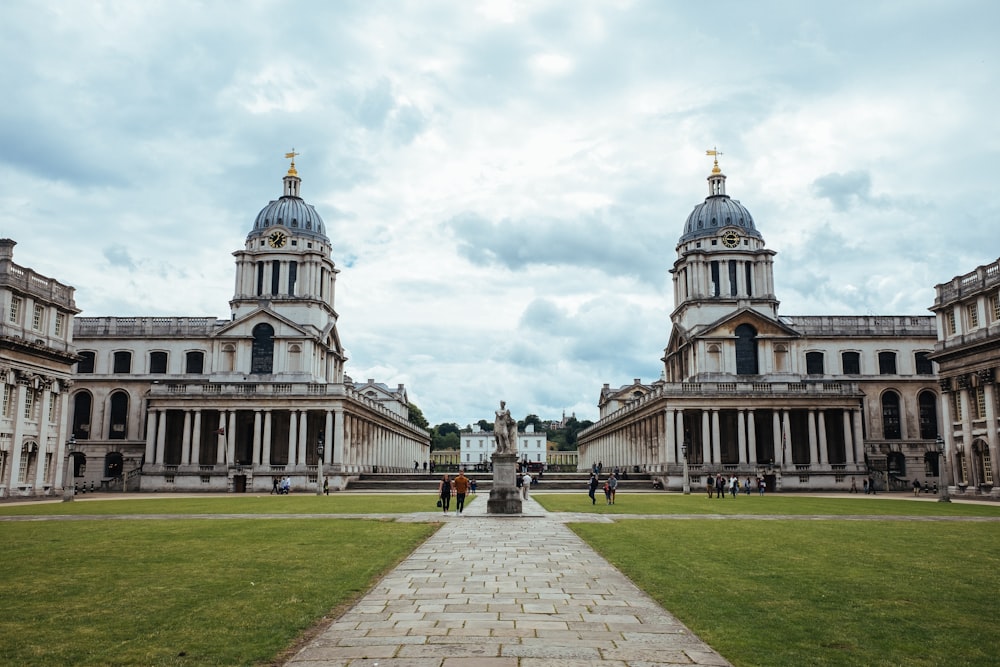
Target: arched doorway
(113,464)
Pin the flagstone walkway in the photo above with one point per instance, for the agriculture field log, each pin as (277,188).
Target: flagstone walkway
(498,591)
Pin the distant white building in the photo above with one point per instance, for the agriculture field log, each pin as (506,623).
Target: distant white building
(477,446)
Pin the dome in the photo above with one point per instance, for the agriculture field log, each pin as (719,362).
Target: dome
(716,212)
(290,211)
(293,213)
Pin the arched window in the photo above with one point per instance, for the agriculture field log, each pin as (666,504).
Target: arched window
(746,350)
(890,416)
(82,403)
(928,415)
(113,464)
(262,356)
(119,416)
(228,358)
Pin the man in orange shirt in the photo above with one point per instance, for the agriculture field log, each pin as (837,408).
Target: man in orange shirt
(461,488)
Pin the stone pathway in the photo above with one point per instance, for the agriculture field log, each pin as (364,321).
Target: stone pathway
(518,591)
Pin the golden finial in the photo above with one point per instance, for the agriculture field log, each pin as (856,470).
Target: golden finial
(715,154)
(291,167)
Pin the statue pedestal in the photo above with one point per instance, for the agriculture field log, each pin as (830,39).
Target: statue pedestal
(505,497)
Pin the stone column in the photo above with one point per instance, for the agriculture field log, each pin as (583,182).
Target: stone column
(670,436)
(151,435)
(751,437)
(221,439)
(266,443)
(161,437)
(824,454)
(741,436)
(989,389)
(231,438)
(186,439)
(706,437)
(256,437)
(292,445)
(303,432)
(716,439)
(196,439)
(813,445)
(849,455)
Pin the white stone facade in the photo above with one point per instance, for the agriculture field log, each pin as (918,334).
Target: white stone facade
(36,358)
(476,447)
(809,403)
(967,309)
(200,404)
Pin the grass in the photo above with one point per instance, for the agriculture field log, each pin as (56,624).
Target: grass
(176,592)
(231,504)
(672,503)
(790,593)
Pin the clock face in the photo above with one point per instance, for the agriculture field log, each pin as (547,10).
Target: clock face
(730,239)
(277,240)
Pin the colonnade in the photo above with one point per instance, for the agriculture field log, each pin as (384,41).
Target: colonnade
(33,453)
(653,440)
(963,404)
(358,443)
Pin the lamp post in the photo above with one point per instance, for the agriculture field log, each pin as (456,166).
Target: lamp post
(319,464)
(687,480)
(68,482)
(942,467)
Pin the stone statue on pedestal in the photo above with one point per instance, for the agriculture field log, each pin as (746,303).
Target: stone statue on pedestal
(505,498)
(505,430)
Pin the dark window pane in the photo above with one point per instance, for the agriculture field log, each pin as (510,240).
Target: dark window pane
(814,363)
(157,362)
(86,363)
(852,363)
(123,362)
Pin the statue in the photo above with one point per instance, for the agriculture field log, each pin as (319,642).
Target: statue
(505,430)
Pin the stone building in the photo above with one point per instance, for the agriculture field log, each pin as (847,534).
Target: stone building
(807,403)
(968,356)
(476,446)
(200,404)
(36,363)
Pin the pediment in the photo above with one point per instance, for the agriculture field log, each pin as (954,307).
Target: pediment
(244,326)
(765,327)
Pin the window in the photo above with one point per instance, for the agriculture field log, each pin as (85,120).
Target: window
(746,350)
(715,278)
(890,416)
(86,363)
(60,324)
(123,362)
(293,272)
(195,362)
(732,278)
(29,403)
(260,276)
(851,362)
(749,277)
(887,363)
(15,310)
(949,322)
(81,415)
(157,362)
(8,400)
(275,275)
(52,408)
(995,307)
(814,363)
(973,311)
(119,416)
(923,364)
(262,352)
(980,411)
(956,400)
(36,317)
(928,415)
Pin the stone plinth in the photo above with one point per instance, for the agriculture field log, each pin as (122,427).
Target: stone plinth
(505,497)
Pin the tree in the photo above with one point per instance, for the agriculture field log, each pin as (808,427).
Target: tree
(485,425)
(445,436)
(416,416)
(533,419)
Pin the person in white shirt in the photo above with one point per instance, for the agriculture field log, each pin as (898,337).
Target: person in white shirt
(525,484)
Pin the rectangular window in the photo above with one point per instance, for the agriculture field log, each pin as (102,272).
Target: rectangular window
(749,271)
(973,311)
(86,363)
(60,324)
(923,364)
(48,467)
(715,278)
(52,408)
(851,362)
(987,467)
(980,403)
(995,306)
(158,362)
(957,405)
(8,396)
(36,318)
(732,278)
(275,275)
(22,473)
(260,277)
(949,322)
(887,363)
(29,403)
(123,362)
(293,274)
(814,363)
(15,310)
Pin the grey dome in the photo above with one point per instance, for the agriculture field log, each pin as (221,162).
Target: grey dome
(293,213)
(716,212)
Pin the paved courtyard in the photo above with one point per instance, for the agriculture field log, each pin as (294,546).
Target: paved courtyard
(491,591)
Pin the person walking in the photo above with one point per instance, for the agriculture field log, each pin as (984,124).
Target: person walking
(592,487)
(612,488)
(461,488)
(525,484)
(326,486)
(444,493)
(720,485)
(472,486)
(710,485)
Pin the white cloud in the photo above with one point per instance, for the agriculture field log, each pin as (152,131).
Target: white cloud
(503,182)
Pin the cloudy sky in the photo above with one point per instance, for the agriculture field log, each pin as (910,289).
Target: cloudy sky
(504,182)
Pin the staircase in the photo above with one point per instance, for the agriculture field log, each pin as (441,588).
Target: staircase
(551,481)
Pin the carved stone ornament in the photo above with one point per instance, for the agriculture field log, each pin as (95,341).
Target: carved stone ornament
(985,376)
(963,382)
(945,384)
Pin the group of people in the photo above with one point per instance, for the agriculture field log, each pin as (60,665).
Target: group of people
(610,487)
(719,485)
(460,487)
(281,486)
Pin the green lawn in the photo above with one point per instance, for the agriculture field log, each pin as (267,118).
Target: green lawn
(176,592)
(236,504)
(697,503)
(789,593)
